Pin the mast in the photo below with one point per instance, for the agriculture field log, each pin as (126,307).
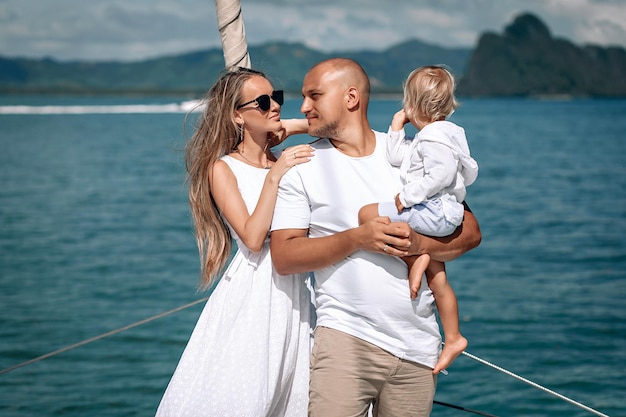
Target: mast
(233,33)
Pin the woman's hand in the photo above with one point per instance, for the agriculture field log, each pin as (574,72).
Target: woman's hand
(294,155)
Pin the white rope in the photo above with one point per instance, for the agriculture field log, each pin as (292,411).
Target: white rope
(233,33)
(549,391)
(102,336)
(177,309)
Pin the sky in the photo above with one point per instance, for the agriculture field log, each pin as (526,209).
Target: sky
(133,30)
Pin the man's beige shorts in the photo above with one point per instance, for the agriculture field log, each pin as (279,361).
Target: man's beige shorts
(348,374)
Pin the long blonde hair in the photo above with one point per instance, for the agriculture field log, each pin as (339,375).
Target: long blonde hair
(217,134)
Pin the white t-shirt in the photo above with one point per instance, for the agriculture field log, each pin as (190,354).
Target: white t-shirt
(366,294)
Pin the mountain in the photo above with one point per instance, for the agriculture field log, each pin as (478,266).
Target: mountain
(193,73)
(527,61)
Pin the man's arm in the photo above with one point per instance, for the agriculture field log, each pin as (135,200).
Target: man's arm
(293,252)
(465,238)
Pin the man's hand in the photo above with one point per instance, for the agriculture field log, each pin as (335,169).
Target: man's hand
(444,249)
(381,235)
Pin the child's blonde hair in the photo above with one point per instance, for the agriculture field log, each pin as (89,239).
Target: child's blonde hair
(429,94)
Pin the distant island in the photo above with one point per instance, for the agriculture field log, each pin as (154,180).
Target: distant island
(524,61)
(527,61)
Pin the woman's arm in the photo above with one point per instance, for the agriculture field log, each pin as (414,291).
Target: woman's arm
(253,228)
(289,127)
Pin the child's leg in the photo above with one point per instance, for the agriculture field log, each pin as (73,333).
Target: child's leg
(368,212)
(417,266)
(448,309)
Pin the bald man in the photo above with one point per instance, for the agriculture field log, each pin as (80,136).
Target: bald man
(374,345)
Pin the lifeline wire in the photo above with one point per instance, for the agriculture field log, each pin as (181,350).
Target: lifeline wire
(166,313)
(549,391)
(102,336)
(467,410)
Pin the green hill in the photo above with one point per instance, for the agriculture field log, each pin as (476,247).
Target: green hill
(193,73)
(524,61)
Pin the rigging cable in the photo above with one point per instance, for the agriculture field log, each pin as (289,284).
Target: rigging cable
(467,410)
(102,336)
(204,299)
(542,388)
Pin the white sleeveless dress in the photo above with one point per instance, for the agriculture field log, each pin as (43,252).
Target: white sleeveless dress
(248,355)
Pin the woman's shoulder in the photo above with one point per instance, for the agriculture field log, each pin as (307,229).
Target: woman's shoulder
(225,166)
(231,162)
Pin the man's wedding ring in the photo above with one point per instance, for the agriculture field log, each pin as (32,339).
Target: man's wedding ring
(295,156)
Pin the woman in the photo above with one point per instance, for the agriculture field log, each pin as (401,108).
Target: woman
(249,352)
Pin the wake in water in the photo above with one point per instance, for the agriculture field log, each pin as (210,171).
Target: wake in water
(184,107)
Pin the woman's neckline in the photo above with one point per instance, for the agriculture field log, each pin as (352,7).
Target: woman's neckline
(249,162)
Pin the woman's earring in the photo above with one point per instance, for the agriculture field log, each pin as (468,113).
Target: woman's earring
(240,140)
(241,136)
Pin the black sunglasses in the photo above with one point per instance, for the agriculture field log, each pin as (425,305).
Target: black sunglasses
(264,100)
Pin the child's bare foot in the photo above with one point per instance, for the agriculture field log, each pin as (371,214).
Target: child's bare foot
(451,349)
(416,272)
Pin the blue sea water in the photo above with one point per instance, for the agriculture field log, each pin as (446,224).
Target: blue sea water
(95,234)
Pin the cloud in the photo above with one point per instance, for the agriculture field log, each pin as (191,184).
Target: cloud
(374,24)
(138,29)
(107,29)
(603,22)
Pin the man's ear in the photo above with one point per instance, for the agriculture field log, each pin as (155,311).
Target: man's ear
(353,98)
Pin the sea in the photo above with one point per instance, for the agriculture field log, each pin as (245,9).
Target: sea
(96,242)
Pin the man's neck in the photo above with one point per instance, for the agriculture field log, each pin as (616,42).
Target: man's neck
(356,142)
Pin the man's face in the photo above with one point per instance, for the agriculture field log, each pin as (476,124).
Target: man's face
(323,102)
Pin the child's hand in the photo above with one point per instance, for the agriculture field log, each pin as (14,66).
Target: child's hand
(399,205)
(399,120)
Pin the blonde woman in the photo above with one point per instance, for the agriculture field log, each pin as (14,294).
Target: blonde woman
(435,169)
(249,352)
